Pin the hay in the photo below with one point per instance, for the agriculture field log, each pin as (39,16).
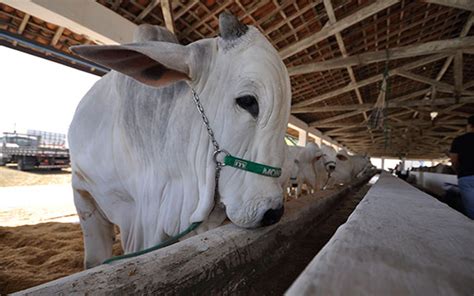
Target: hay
(35,254)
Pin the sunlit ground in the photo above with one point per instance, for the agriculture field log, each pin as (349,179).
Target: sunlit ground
(36,204)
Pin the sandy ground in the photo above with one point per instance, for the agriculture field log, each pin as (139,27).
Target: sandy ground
(10,176)
(35,254)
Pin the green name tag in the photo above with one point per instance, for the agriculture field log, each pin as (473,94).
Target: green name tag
(252,167)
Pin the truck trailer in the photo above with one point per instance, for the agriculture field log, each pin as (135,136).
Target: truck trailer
(34,150)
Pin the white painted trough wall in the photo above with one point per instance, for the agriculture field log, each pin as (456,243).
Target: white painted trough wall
(215,262)
(398,241)
(434,182)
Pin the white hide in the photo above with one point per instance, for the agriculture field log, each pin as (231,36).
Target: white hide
(141,156)
(349,167)
(307,159)
(289,176)
(325,166)
(343,172)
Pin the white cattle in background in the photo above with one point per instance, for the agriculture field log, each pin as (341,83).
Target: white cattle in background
(349,167)
(314,166)
(141,156)
(289,176)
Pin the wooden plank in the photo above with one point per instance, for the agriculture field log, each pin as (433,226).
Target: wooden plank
(460,4)
(167,9)
(23,24)
(370,80)
(413,122)
(339,26)
(337,117)
(440,46)
(57,35)
(147,10)
(342,48)
(458,72)
(441,86)
(390,104)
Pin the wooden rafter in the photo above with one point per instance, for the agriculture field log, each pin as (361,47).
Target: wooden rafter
(332,29)
(57,35)
(441,86)
(460,4)
(23,24)
(390,104)
(166,8)
(342,48)
(370,80)
(147,10)
(432,47)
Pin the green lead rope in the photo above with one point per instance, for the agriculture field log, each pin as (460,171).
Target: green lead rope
(166,243)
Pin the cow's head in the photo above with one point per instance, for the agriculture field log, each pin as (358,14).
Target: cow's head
(307,163)
(329,158)
(245,90)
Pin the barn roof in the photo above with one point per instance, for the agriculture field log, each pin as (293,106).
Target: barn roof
(338,54)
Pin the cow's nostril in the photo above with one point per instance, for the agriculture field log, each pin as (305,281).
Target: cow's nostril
(272,216)
(331,167)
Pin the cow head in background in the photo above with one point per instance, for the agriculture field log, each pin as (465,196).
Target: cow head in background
(343,172)
(245,90)
(307,162)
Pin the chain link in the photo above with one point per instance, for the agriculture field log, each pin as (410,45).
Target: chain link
(206,121)
(210,132)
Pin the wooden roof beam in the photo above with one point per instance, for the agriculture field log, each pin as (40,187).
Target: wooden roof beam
(441,86)
(167,9)
(460,4)
(23,24)
(337,117)
(458,72)
(351,86)
(57,35)
(390,104)
(339,26)
(342,48)
(147,10)
(413,122)
(440,46)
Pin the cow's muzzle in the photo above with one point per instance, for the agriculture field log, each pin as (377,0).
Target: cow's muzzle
(272,216)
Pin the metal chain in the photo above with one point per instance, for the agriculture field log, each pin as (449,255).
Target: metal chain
(205,120)
(210,132)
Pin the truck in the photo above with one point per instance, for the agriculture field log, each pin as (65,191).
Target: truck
(34,150)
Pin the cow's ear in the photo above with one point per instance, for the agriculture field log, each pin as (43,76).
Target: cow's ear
(152,63)
(341,157)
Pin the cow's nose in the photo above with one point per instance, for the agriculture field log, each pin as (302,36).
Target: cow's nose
(331,167)
(272,216)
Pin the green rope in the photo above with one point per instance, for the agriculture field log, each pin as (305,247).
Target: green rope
(166,243)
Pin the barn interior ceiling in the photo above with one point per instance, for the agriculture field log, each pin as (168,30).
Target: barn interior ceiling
(344,57)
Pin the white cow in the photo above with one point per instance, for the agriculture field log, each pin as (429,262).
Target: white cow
(349,167)
(290,169)
(315,165)
(141,156)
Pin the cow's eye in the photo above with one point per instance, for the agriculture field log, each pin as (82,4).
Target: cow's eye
(248,103)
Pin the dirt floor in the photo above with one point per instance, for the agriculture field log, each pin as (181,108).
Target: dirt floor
(35,254)
(279,278)
(10,176)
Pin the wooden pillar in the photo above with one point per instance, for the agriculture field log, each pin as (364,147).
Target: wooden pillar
(302,137)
